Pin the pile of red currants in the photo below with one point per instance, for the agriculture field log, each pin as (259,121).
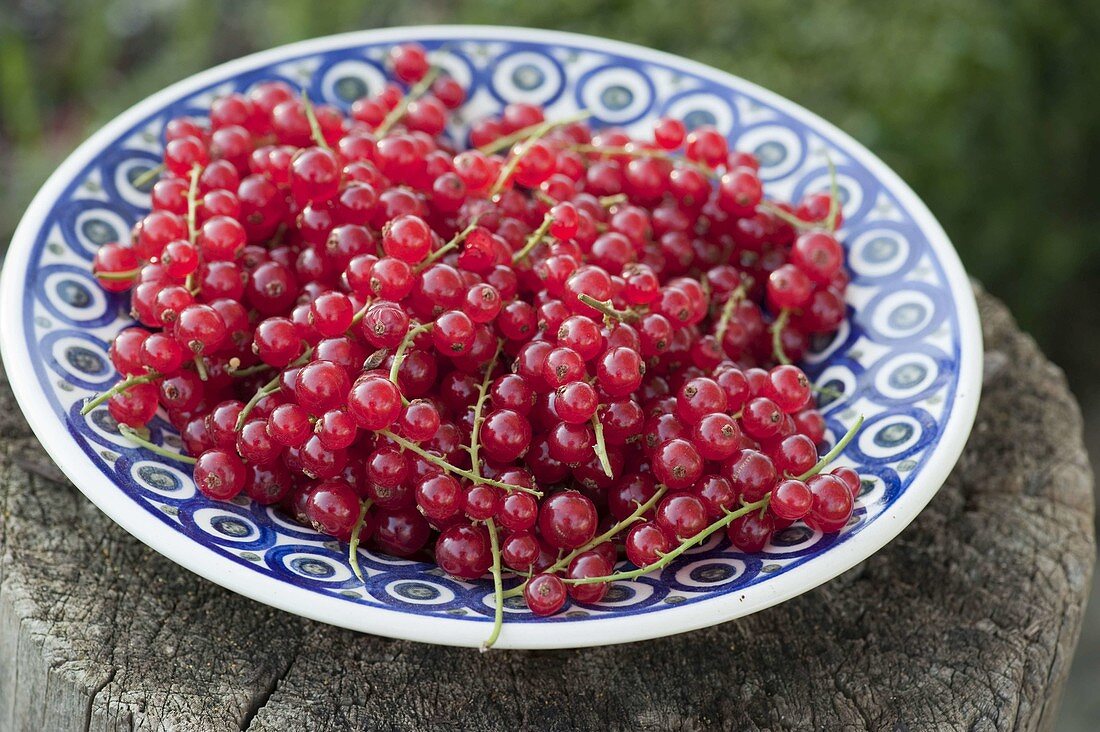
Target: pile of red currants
(521,356)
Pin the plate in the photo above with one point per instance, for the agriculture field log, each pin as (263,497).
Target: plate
(909,359)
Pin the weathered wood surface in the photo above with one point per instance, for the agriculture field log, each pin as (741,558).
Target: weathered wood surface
(967,620)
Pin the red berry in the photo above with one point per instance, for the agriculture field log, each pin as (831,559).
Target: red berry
(219,474)
(463,551)
(791,500)
(374,402)
(590,564)
(567,519)
(545,594)
(676,463)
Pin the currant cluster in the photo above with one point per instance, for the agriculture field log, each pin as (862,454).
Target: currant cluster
(519,356)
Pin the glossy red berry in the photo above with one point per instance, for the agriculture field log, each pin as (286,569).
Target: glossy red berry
(567,519)
(677,463)
(505,435)
(545,594)
(219,474)
(791,500)
(463,551)
(374,402)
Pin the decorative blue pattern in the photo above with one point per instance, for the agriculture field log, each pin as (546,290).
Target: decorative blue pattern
(897,362)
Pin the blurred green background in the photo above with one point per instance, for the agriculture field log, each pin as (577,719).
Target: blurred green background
(986,107)
(990,109)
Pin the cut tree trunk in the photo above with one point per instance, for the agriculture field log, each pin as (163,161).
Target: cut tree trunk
(967,620)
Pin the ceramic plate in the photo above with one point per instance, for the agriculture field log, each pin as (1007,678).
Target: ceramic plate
(909,359)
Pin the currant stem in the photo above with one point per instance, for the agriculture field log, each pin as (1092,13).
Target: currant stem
(834,196)
(727,312)
(684,545)
(399,355)
(786,216)
(609,201)
(448,467)
(483,392)
(600,447)
(498,587)
(353,543)
(612,150)
(507,141)
(130,434)
(118,389)
(534,240)
(314,125)
(544,199)
(149,175)
(192,196)
(130,274)
(777,336)
(361,313)
(269,388)
(826,391)
(563,562)
(200,367)
(413,94)
(833,454)
(609,311)
(250,371)
(518,152)
(448,247)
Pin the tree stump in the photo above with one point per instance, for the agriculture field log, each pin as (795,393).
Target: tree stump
(967,620)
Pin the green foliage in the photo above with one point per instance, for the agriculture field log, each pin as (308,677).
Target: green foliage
(987,107)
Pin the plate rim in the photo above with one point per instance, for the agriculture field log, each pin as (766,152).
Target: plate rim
(594,631)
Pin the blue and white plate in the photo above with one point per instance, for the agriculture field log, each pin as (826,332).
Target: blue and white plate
(909,360)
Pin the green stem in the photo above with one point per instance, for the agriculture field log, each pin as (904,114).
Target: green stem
(727,313)
(314,125)
(517,154)
(503,143)
(414,93)
(192,197)
(448,467)
(250,371)
(353,543)
(609,311)
(148,176)
(399,355)
(563,562)
(360,314)
(129,433)
(665,559)
(826,391)
(269,388)
(601,445)
(534,239)
(200,367)
(834,196)
(118,389)
(777,336)
(130,274)
(612,150)
(786,216)
(483,392)
(450,246)
(609,201)
(498,587)
(835,452)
